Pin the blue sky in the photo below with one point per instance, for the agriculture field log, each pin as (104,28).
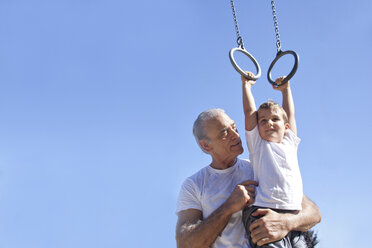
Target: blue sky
(97,101)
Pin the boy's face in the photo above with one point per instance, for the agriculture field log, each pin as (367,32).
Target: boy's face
(271,125)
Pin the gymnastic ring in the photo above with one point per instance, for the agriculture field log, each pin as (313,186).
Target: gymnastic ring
(293,71)
(238,69)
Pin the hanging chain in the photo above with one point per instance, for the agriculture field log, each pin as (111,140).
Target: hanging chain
(278,45)
(239,39)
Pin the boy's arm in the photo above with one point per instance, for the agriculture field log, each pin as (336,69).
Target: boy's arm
(249,105)
(288,104)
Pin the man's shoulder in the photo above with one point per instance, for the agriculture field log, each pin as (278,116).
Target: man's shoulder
(244,165)
(195,182)
(199,174)
(244,162)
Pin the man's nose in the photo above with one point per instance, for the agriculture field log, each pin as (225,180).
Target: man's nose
(234,134)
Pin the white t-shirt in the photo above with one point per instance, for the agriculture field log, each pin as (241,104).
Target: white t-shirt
(276,169)
(207,189)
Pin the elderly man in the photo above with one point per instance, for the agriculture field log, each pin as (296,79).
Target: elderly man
(210,202)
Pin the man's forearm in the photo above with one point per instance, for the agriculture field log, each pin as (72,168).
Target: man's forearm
(200,234)
(308,217)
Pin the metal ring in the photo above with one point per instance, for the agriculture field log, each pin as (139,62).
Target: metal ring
(238,69)
(293,71)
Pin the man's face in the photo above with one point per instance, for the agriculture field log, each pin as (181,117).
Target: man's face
(224,138)
(271,125)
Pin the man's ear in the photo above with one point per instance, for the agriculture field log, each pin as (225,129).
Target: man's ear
(204,144)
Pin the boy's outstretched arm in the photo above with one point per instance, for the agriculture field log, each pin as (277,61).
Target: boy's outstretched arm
(288,104)
(249,105)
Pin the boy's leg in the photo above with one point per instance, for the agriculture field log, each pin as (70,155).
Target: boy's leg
(303,239)
(248,219)
(297,240)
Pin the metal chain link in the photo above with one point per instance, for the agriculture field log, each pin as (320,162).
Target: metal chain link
(239,39)
(278,45)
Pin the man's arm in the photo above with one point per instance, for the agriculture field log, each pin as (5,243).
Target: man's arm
(194,232)
(288,104)
(249,105)
(274,226)
(191,231)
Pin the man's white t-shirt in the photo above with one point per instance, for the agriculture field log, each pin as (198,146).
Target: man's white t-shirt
(276,169)
(207,189)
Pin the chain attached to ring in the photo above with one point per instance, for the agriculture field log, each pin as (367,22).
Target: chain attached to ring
(278,45)
(239,39)
(241,49)
(280,53)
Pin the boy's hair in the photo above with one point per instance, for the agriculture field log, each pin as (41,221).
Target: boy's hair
(270,104)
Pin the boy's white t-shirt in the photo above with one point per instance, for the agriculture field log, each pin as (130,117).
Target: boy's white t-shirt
(276,169)
(207,189)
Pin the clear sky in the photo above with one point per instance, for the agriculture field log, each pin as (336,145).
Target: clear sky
(98,98)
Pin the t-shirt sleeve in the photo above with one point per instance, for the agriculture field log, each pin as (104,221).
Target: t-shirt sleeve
(188,197)
(292,138)
(253,139)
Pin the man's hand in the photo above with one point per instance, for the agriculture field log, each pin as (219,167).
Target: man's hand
(279,86)
(243,195)
(248,81)
(192,231)
(271,227)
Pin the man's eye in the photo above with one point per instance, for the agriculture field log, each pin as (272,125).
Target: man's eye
(276,119)
(224,133)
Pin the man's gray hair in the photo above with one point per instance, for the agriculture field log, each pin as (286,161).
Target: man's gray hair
(199,125)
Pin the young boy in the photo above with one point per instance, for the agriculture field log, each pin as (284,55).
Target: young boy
(272,143)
